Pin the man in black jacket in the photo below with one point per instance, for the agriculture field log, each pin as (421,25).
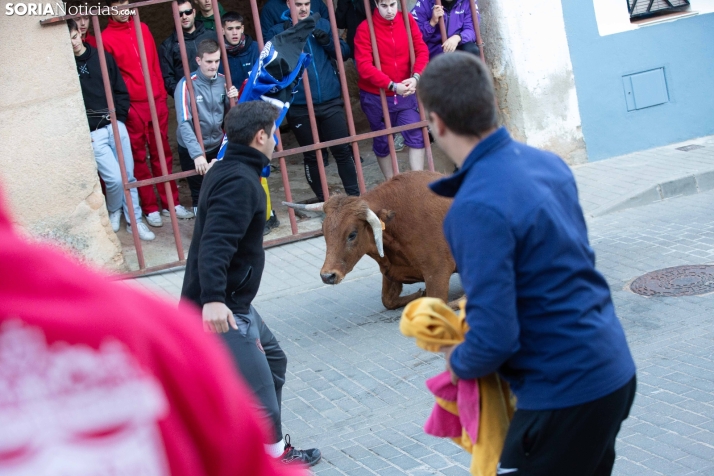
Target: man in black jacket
(226,259)
(102,133)
(170,54)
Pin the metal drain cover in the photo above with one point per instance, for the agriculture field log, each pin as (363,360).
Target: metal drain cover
(677,281)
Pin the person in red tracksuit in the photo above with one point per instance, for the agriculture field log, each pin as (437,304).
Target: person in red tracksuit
(120,40)
(397,77)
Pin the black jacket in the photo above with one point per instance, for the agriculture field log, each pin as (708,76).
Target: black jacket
(95,100)
(170,54)
(349,14)
(226,257)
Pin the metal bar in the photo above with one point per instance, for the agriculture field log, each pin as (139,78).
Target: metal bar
(298,150)
(477,29)
(117,142)
(157,132)
(222,45)
(382,95)
(649,7)
(442,27)
(311,115)
(346,95)
(412,58)
(187,75)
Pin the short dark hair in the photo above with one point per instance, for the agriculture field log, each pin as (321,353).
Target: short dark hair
(206,46)
(72,25)
(181,2)
(246,119)
(232,16)
(458,88)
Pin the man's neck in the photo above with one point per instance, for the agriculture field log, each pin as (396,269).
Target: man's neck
(191,30)
(81,52)
(462,146)
(207,13)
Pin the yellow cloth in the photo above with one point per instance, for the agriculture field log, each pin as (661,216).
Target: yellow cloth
(269,208)
(435,325)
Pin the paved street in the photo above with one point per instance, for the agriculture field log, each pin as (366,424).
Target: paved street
(355,385)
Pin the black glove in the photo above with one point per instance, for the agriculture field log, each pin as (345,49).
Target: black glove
(322,37)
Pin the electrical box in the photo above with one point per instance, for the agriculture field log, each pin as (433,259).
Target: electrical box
(645,89)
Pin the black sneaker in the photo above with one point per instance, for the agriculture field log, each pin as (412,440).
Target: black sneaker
(273,221)
(292,455)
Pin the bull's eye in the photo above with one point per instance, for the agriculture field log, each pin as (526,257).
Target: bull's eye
(352,236)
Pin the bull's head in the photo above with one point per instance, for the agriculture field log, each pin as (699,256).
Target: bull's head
(351,230)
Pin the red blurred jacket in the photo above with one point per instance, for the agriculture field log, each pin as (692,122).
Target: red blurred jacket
(120,40)
(97,376)
(393,46)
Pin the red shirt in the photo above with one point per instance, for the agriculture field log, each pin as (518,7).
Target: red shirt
(120,40)
(393,46)
(97,376)
(90,40)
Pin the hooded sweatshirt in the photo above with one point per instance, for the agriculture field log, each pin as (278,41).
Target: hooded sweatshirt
(393,46)
(457,21)
(241,61)
(170,54)
(120,40)
(95,100)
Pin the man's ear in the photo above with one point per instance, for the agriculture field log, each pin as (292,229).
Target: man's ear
(439,126)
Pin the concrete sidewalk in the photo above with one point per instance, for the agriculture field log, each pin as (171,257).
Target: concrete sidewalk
(355,385)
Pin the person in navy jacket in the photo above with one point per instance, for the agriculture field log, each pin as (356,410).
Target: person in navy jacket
(241,49)
(538,311)
(326,99)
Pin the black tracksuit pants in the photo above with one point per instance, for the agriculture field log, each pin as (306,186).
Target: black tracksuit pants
(195,181)
(573,441)
(261,362)
(331,125)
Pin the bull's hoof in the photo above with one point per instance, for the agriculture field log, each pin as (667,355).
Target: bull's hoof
(403,300)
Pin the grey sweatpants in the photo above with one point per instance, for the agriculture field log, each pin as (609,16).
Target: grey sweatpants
(262,363)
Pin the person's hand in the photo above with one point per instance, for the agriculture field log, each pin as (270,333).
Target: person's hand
(217,317)
(210,164)
(448,350)
(322,37)
(410,85)
(232,93)
(450,45)
(200,164)
(436,13)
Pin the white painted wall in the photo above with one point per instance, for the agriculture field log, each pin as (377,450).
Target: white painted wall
(612,15)
(527,50)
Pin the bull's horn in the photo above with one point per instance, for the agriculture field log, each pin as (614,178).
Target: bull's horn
(313,207)
(376,225)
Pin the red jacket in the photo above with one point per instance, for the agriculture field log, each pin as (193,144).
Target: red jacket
(127,383)
(120,40)
(393,46)
(89,39)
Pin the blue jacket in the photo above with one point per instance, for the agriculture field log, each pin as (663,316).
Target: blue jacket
(242,63)
(272,13)
(538,310)
(324,82)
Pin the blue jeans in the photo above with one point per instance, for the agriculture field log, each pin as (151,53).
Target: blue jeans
(105,154)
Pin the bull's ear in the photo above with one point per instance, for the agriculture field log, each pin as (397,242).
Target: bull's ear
(386,215)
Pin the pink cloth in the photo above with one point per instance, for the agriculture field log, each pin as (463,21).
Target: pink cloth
(466,395)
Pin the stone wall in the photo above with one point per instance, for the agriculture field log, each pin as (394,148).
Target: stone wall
(47,166)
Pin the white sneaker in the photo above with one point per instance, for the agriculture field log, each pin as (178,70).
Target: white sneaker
(154,219)
(195,211)
(181,212)
(144,233)
(114,219)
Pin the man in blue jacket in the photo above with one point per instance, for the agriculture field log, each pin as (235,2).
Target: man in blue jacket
(538,311)
(272,13)
(241,49)
(326,100)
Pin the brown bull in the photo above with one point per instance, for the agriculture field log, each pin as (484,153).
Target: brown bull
(408,244)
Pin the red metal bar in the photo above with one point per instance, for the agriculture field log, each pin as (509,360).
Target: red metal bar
(117,142)
(412,58)
(311,115)
(298,150)
(187,75)
(382,95)
(442,27)
(222,44)
(477,30)
(157,133)
(346,95)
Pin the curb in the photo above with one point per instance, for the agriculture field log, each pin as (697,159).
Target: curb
(680,187)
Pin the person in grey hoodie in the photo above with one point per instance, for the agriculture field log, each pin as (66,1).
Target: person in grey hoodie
(212,103)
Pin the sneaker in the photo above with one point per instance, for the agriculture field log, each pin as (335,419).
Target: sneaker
(114,219)
(398,142)
(154,219)
(273,221)
(144,233)
(292,455)
(195,211)
(181,212)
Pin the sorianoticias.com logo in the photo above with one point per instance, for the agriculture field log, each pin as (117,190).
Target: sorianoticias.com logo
(62,9)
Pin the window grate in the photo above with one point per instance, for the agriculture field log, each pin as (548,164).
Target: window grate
(648,8)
